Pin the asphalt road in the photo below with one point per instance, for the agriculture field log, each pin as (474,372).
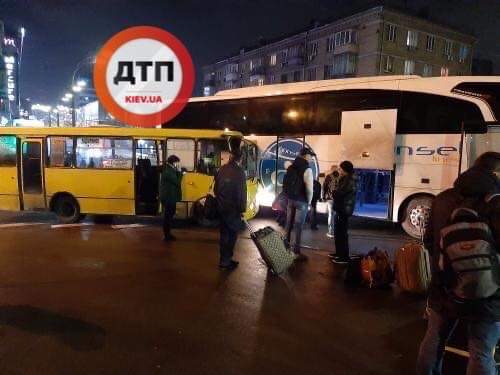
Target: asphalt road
(113,298)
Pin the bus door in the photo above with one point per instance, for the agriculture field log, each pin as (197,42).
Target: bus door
(367,139)
(32,180)
(148,168)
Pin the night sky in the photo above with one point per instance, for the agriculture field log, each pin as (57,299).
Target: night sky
(60,33)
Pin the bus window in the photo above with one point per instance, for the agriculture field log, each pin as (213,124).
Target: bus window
(209,155)
(231,114)
(249,159)
(105,153)
(60,152)
(184,150)
(146,149)
(291,114)
(8,150)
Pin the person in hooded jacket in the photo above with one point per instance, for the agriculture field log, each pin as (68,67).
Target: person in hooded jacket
(444,310)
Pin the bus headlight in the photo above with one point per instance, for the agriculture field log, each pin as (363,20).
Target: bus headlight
(265,197)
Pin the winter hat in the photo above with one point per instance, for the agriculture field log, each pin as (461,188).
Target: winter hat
(347,166)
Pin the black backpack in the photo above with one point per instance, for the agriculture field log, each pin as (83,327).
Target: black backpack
(293,183)
(469,255)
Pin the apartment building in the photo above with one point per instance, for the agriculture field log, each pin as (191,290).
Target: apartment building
(379,41)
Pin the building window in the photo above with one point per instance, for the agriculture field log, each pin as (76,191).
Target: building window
(345,37)
(389,64)
(272,59)
(448,49)
(297,75)
(330,43)
(390,32)
(429,45)
(260,82)
(311,74)
(284,78)
(445,71)
(207,90)
(409,67)
(412,39)
(312,51)
(284,57)
(272,79)
(463,53)
(344,64)
(427,71)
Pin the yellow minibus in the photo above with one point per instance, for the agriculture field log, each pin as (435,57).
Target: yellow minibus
(111,170)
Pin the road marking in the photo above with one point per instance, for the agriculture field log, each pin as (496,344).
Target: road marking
(15,225)
(56,226)
(125,226)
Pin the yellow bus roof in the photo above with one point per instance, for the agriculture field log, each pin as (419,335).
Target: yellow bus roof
(118,132)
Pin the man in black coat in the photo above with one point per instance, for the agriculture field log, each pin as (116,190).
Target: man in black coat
(344,200)
(482,316)
(231,194)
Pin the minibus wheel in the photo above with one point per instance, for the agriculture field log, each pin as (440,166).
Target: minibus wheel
(67,209)
(416,215)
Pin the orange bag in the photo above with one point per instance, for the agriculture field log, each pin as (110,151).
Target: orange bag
(376,269)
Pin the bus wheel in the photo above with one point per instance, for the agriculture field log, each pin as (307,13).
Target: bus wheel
(67,210)
(417,215)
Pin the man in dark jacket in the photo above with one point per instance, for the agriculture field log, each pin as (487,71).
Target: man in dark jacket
(170,194)
(344,199)
(231,193)
(482,316)
(298,186)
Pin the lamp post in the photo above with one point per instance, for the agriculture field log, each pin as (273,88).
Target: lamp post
(22,31)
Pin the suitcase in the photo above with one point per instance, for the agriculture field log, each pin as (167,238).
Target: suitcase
(412,264)
(272,248)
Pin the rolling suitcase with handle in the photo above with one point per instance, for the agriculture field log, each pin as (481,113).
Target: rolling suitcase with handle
(272,248)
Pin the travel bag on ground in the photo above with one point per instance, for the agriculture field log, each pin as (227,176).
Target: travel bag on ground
(272,248)
(376,269)
(412,268)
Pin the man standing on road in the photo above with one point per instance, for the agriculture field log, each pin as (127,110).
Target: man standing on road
(478,186)
(170,194)
(231,194)
(329,187)
(298,187)
(344,199)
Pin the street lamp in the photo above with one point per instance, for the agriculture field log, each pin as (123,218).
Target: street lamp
(22,31)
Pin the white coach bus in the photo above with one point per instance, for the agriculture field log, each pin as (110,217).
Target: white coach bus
(408,137)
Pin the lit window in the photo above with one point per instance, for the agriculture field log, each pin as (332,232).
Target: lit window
(412,39)
(390,32)
(344,37)
(8,150)
(60,151)
(312,51)
(184,150)
(260,82)
(104,153)
(429,45)
(445,71)
(409,67)
(272,60)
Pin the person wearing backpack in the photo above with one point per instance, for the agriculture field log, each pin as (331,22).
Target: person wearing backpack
(298,187)
(344,199)
(463,238)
